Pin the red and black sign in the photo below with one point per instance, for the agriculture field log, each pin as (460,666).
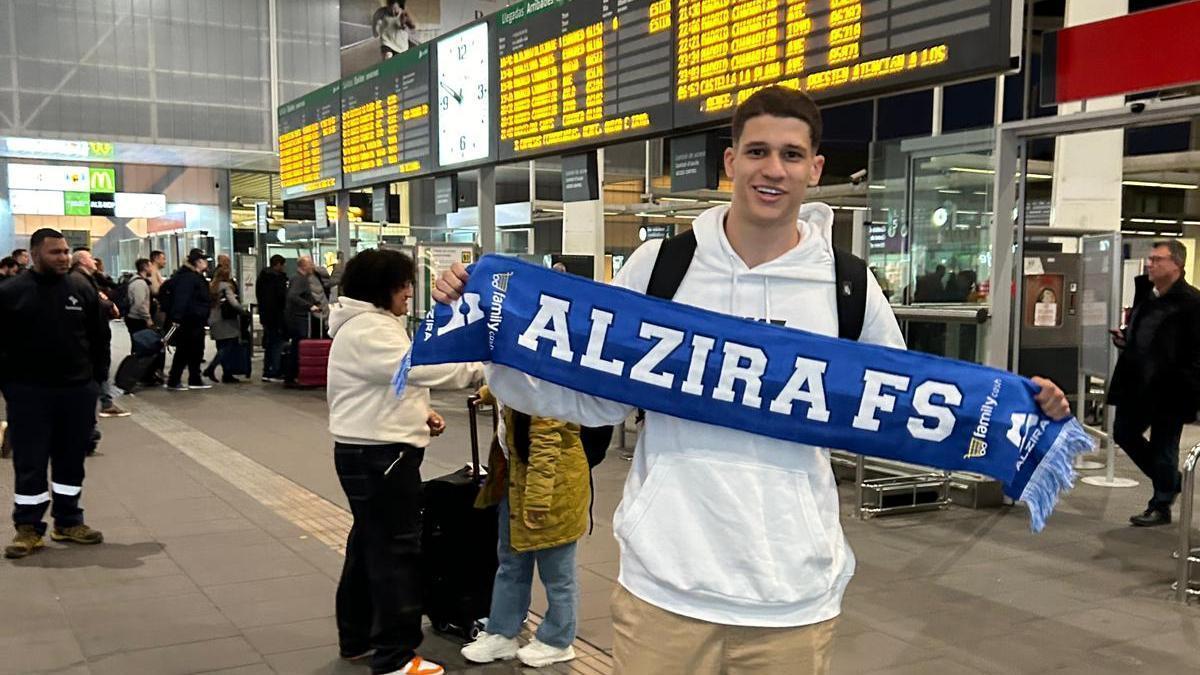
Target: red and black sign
(1154,49)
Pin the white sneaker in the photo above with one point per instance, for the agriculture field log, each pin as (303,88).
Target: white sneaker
(539,654)
(489,647)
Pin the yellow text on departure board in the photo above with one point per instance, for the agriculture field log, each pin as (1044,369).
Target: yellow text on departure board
(540,88)
(369,135)
(300,155)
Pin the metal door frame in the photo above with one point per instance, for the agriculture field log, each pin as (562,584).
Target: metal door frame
(1011,139)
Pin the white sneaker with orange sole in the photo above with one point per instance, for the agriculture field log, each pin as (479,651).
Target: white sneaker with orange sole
(419,666)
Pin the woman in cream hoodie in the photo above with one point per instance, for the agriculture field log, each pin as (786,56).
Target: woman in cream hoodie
(380,440)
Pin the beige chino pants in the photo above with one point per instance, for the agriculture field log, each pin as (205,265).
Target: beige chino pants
(648,640)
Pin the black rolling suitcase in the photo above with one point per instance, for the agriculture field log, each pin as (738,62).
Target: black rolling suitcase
(458,543)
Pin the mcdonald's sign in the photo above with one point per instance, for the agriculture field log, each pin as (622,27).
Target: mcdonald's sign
(102,180)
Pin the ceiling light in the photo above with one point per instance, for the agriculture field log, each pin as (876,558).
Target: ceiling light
(678,199)
(950,192)
(877,187)
(1141,220)
(1173,186)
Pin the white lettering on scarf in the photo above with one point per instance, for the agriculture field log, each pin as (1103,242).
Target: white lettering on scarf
(551,324)
(932,400)
(810,373)
(668,340)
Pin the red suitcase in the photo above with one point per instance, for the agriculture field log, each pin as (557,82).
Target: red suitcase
(314,360)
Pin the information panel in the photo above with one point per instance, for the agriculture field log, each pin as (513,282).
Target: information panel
(582,72)
(310,143)
(386,127)
(834,49)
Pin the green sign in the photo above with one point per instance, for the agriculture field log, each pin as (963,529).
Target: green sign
(100,150)
(102,180)
(77,203)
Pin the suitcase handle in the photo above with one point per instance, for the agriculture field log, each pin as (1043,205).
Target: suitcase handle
(474,403)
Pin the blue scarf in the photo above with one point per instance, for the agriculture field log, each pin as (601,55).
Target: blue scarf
(789,384)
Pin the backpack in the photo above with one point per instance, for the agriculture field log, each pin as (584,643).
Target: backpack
(595,443)
(119,296)
(850,277)
(166,297)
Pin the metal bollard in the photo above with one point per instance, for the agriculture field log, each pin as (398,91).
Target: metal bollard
(1183,584)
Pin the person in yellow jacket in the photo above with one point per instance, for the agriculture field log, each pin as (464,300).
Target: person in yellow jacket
(543,513)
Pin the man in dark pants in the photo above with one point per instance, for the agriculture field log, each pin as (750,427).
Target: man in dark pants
(1156,383)
(190,306)
(271,292)
(299,309)
(53,351)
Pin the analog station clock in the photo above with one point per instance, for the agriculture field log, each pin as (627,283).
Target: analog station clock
(463,96)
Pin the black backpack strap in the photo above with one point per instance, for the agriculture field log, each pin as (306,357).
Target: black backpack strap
(850,278)
(674,258)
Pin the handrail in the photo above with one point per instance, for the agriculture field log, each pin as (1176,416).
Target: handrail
(950,314)
(1183,585)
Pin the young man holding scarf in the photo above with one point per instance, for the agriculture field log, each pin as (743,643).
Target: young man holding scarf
(732,555)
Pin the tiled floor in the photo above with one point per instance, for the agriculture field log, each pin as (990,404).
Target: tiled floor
(222,516)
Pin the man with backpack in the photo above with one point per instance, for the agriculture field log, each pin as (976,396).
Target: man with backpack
(732,554)
(134,298)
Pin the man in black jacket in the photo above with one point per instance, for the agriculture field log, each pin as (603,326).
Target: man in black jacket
(54,350)
(271,293)
(1156,383)
(190,305)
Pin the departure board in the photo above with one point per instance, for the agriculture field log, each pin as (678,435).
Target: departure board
(834,49)
(577,73)
(310,143)
(386,127)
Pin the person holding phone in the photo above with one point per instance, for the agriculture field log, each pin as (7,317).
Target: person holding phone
(1156,382)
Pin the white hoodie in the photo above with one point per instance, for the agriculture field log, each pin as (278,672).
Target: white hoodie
(368,345)
(718,524)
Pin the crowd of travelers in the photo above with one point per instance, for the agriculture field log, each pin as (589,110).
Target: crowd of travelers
(750,588)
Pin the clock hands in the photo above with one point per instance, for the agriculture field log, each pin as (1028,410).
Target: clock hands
(457,95)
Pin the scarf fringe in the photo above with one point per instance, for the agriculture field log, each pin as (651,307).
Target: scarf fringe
(1055,474)
(400,379)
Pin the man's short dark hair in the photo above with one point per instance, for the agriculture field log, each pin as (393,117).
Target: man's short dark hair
(779,102)
(18,252)
(77,249)
(155,254)
(1178,252)
(278,260)
(374,275)
(141,265)
(8,262)
(44,234)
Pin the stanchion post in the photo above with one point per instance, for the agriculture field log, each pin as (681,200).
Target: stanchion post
(860,474)
(1183,583)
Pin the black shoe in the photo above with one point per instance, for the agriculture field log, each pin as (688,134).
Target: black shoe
(212,375)
(1152,518)
(1134,518)
(230,379)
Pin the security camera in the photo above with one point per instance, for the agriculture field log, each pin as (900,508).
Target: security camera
(858,176)
(1137,107)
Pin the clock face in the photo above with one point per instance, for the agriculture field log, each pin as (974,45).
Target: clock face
(463,96)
